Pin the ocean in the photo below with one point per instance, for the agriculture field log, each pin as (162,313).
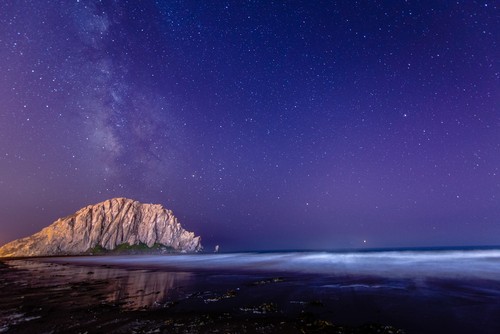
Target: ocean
(415,291)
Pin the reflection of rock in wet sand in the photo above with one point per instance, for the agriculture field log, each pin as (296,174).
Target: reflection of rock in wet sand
(143,288)
(131,289)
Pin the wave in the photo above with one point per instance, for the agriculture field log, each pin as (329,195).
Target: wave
(470,264)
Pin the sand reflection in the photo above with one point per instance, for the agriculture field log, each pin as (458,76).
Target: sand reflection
(143,289)
(130,289)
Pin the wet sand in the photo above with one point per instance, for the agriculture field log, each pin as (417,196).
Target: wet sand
(40,296)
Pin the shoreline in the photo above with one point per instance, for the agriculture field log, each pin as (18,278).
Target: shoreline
(47,297)
(55,295)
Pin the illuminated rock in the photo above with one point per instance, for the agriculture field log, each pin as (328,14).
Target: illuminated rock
(106,225)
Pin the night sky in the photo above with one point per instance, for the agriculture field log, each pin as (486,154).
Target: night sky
(261,124)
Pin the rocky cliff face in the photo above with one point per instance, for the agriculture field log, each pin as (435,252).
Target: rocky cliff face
(108,224)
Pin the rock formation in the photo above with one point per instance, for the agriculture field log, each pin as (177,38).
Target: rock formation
(107,225)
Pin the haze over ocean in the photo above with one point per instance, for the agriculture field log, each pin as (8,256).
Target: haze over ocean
(261,124)
(415,265)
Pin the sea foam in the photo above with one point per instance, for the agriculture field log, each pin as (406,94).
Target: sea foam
(465,264)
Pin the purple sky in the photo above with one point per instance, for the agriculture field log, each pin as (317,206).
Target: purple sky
(263,125)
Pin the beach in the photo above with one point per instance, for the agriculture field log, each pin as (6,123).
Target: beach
(154,295)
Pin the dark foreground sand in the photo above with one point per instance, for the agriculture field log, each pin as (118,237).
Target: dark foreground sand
(43,297)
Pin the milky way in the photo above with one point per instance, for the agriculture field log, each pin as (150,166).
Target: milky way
(263,125)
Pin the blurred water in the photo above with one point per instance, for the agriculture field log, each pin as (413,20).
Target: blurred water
(466,264)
